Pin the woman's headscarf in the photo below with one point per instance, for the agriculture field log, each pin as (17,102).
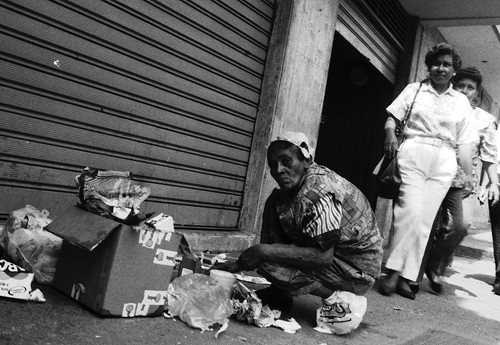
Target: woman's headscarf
(300,140)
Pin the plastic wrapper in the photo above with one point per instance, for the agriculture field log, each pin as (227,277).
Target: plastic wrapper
(111,194)
(26,244)
(199,301)
(342,314)
(248,308)
(15,282)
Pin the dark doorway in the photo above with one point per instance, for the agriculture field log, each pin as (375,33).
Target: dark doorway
(351,135)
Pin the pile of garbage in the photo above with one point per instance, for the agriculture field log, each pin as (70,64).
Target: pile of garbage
(202,303)
(30,252)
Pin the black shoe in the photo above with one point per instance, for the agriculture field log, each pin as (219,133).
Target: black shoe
(388,284)
(414,287)
(275,298)
(404,289)
(435,281)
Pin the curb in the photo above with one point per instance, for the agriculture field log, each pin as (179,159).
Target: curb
(474,253)
(478,244)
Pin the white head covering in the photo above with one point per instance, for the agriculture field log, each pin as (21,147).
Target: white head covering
(300,140)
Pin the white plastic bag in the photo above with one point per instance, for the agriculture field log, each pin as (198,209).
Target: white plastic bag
(341,314)
(199,301)
(26,244)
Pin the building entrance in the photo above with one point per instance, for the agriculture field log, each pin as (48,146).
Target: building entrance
(351,134)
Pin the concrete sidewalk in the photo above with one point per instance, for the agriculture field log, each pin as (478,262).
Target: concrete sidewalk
(478,244)
(466,313)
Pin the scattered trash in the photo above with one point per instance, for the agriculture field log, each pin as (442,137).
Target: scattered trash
(218,258)
(225,279)
(397,308)
(28,245)
(251,279)
(290,326)
(248,307)
(161,222)
(111,194)
(15,281)
(242,338)
(36,296)
(343,314)
(199,301)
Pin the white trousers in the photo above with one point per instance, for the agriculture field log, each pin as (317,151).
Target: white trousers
(428,167)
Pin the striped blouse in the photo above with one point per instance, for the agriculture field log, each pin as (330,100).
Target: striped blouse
(327,211)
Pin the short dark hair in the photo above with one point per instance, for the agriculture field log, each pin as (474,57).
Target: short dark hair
(471,73)
(441,49)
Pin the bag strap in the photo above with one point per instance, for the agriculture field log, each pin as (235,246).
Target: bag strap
(402,124)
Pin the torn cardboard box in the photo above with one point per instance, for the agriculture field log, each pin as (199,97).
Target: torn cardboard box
(112,268)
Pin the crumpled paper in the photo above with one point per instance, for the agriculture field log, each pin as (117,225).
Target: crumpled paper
(248,307)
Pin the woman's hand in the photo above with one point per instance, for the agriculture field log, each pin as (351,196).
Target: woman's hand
(493,194)
(390,143)
(482,195)
(250,258)
(230,266)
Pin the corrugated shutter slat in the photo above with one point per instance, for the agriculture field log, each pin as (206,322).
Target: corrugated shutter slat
(166,89)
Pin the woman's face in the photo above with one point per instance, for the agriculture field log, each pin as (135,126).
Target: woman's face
(468,87)
(442,70)
(287,168)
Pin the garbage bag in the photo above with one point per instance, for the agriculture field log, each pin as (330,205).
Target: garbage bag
(199,301)
(26,244)
(341,314)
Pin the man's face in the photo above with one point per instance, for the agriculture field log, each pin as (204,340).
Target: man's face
(286,168)
(468,87)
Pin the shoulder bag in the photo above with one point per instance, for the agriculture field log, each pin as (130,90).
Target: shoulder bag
(389,177)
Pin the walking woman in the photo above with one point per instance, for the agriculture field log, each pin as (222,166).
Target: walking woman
(452,227)
(438,123)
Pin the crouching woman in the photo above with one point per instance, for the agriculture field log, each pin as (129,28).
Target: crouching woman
(319,233)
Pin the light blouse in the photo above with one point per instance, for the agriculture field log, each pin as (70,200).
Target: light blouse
(443,116)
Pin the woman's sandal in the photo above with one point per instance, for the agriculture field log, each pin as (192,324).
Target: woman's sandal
(389,283)
(404,289)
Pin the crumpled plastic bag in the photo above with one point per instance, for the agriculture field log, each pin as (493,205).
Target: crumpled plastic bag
(111,194)
(199,301)
(26,244)
(248,307)
(343,313)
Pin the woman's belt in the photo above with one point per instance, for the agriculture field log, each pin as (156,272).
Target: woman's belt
(429,140)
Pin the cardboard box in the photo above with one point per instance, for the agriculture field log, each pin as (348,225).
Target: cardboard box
(112,268)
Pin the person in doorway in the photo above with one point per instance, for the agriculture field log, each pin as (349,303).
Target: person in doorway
(452,228)
(438,123)
(319,234)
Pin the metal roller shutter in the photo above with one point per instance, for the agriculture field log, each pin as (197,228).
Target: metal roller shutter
(165,89)
(377,29)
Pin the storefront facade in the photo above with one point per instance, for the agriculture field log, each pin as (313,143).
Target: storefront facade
(184,94)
